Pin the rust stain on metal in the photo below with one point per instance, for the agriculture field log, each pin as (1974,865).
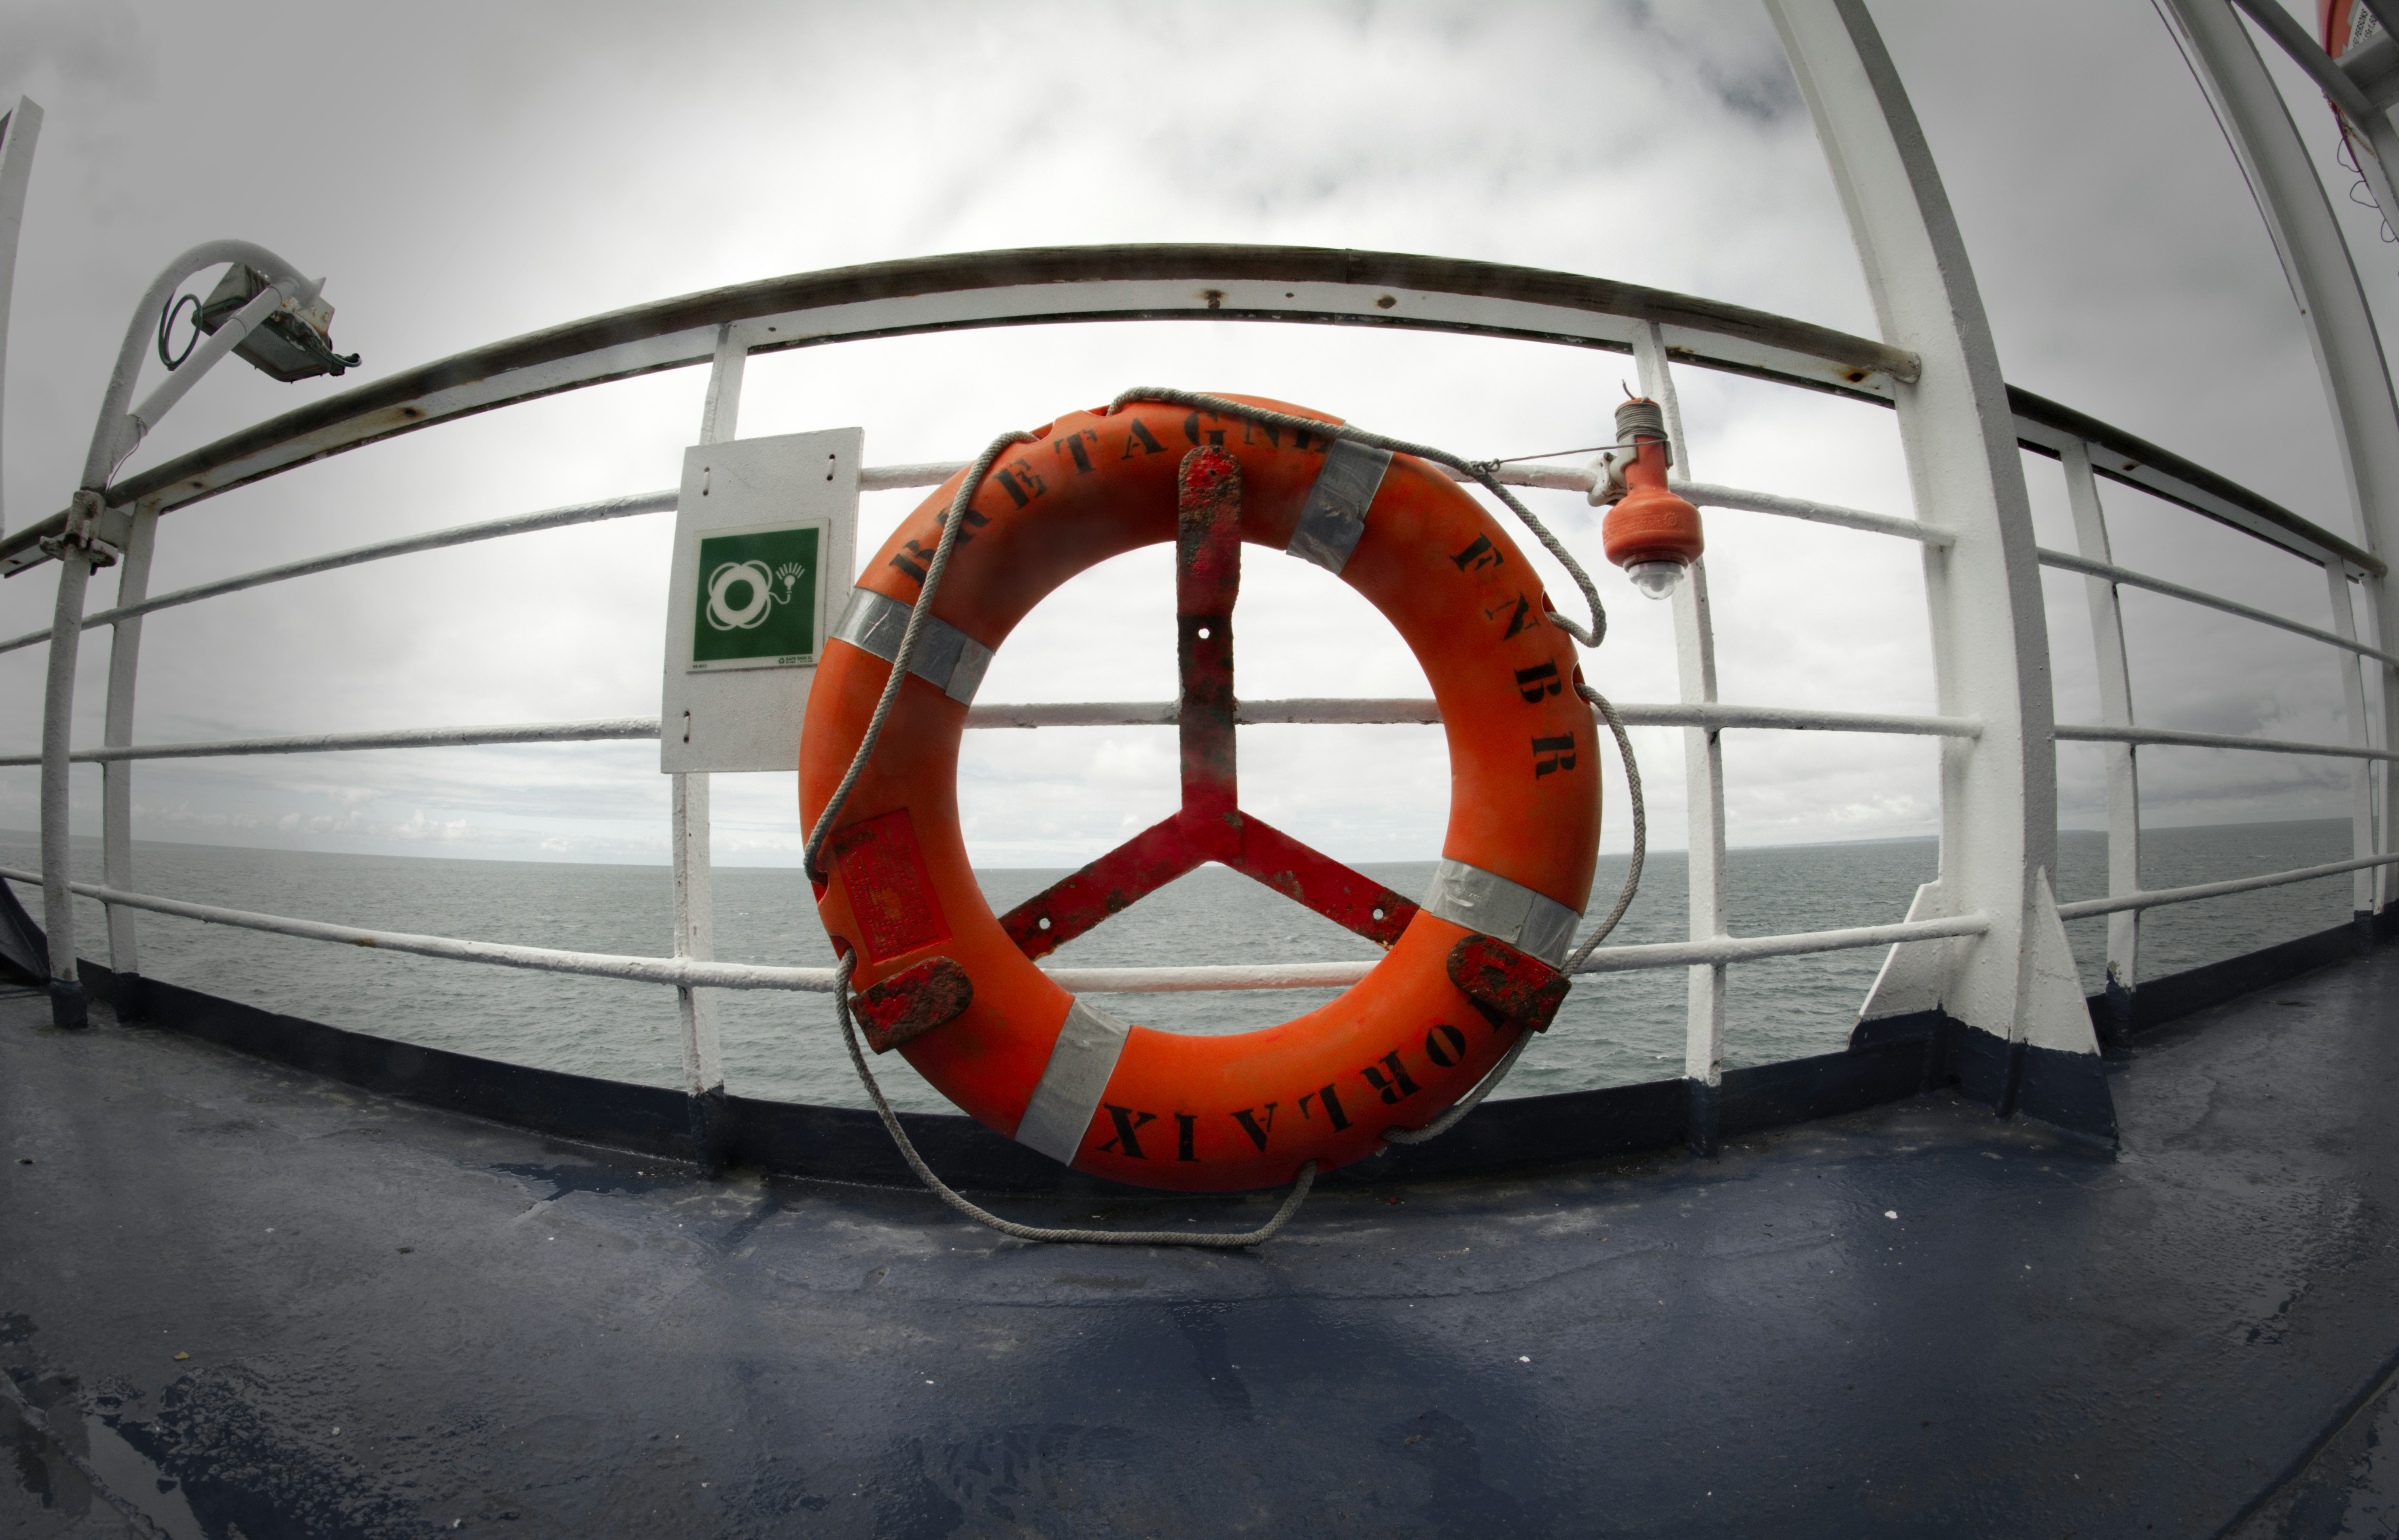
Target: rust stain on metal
(1507,986)
(910,1004)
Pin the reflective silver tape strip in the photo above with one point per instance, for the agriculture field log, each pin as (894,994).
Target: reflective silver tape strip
(1073,1081)
(946,658)
(1335,515)
(1506,911)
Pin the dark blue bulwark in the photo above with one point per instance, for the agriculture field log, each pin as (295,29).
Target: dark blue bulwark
(2158,1001)
(249,1298)
(1887,1061)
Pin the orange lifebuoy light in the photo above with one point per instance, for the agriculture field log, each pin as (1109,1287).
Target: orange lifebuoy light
(956,987)
(1652,534)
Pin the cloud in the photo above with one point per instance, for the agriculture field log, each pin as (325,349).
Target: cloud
(493,170)
(83,45)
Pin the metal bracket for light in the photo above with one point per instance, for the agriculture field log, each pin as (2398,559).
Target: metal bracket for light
(295,340)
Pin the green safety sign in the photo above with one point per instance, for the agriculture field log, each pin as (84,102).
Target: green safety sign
(757,601)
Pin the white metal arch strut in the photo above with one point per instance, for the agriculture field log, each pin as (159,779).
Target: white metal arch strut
(1990,648)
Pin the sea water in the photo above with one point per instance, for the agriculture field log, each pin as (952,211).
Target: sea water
(1615,1028)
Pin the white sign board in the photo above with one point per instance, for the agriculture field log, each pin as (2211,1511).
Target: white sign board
(765,555)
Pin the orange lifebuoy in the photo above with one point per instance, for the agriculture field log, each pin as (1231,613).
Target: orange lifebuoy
(956,987)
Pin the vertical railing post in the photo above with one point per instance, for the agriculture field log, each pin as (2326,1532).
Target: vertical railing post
(2024,1036)
(695,916)
(2324,281)
(18,135)
(67,1009)
(2372,592)
(2361,772)
(2115,711)
(116,776)
(1695,665)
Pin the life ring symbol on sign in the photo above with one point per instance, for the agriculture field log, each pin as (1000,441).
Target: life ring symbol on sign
(954,988)
(724,612)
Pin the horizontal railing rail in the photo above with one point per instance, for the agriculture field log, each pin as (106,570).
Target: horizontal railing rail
(1321,712)
(894,478)
(606,729)
(2067,561)
(873,478)
(681,972)
(933,473)
(1708,496)
(2168,737)
(2154,898)
(1752,949)
(693,973)
(461,534)
(1338,711)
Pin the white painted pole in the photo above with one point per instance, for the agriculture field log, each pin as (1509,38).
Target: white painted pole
(21,131)
(116,777)
(1990,647)
(2324,281)
(2115,711)
(2361,772)
(90,524)
(2372,594)
(58,713)
(1695,662)
(695,917)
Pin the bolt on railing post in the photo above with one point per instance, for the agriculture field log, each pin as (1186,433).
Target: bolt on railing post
(116,776)
(695,922)
(2022,1034)
(2116,710)
(1695,661)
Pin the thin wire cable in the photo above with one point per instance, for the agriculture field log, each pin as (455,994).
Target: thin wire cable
(1581,954)
(1259,1236)
(1490,1083)
(1480,470)
(1554,455)
(167,320)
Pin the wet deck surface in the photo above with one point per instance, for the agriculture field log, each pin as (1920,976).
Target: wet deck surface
(400,1322)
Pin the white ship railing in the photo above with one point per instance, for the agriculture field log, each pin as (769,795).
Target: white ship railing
(699,973)
(1961,430)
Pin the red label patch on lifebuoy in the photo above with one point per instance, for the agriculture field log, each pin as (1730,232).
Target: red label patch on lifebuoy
(890,893)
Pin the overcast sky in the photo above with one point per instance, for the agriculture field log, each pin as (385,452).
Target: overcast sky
(465,174)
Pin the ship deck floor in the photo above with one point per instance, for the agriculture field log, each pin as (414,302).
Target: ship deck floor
(256,1303)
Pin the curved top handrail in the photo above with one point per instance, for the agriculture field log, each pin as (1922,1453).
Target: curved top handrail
(1316,285)
(2045,426)
(983,289)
